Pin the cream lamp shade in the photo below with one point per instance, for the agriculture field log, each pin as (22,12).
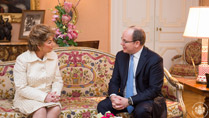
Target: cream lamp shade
(197,23)
(198,27)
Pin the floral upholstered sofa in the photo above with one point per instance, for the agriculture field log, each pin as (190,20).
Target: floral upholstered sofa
(86,73)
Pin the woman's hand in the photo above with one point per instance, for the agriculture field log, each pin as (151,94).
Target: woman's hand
(52,97)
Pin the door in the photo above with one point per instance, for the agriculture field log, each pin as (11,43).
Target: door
(163,21)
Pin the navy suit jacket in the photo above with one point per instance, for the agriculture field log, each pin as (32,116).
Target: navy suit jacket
(148,79)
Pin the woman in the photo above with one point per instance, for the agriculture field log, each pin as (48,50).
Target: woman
(37,78)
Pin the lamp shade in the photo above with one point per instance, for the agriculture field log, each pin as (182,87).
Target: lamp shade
(197,23)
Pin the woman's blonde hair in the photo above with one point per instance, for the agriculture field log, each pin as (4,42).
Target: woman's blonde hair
(38,35)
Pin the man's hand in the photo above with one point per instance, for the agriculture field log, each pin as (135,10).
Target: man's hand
(119,102)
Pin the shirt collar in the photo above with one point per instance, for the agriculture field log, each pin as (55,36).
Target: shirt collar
(33,57)
(137,54)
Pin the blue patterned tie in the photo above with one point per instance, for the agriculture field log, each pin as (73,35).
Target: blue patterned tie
(129,84)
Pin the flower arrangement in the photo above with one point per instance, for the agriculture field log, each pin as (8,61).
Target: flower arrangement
(66,32)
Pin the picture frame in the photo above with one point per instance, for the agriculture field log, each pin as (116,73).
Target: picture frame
(29,19)
(13,8)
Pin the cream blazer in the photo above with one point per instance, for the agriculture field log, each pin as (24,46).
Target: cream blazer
(33,79)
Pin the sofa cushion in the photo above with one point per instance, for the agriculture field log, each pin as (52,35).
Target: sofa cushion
(6,110)
(174,109)
(82,107)
(79,107)
(183,70)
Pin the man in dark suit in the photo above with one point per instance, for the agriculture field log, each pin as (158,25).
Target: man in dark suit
(137,79)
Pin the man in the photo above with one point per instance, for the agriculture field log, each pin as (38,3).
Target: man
(137,79)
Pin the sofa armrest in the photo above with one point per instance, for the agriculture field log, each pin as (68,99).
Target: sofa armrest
(178,89)
(172,80)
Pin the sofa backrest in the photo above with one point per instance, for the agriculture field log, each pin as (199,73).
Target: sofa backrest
(86,71)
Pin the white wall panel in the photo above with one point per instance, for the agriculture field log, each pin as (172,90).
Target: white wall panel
(168,15)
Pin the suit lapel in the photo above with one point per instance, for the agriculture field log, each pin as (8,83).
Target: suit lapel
(142,60)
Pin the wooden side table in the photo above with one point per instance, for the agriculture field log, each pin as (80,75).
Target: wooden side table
(190,84)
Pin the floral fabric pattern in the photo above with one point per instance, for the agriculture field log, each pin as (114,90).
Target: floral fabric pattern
(191,50)
(6,81)
(168,90)
(174,109)
(183,70)
(82,107)
(85,69)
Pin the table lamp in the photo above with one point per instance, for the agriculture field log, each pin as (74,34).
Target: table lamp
(198,27)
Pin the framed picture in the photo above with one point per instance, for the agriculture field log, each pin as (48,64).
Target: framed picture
(13,8)
(29,19)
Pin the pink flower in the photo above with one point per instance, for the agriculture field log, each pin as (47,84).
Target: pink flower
(109,115)
(71,26)
(74,34)
(69,35)
(58,32)
(69,30)
(62,36)
(66,19)
(55,17)
(68,6)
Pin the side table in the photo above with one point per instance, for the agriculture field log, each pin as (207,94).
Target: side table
(191,85)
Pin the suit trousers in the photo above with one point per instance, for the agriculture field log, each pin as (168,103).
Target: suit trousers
(141,110)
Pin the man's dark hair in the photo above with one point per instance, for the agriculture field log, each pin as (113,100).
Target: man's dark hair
(138,35)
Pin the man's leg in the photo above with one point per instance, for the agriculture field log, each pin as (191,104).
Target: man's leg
(143,109)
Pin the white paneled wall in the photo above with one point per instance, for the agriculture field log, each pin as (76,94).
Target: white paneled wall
(162,20)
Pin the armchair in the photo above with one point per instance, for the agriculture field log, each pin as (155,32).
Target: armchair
(191,59)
